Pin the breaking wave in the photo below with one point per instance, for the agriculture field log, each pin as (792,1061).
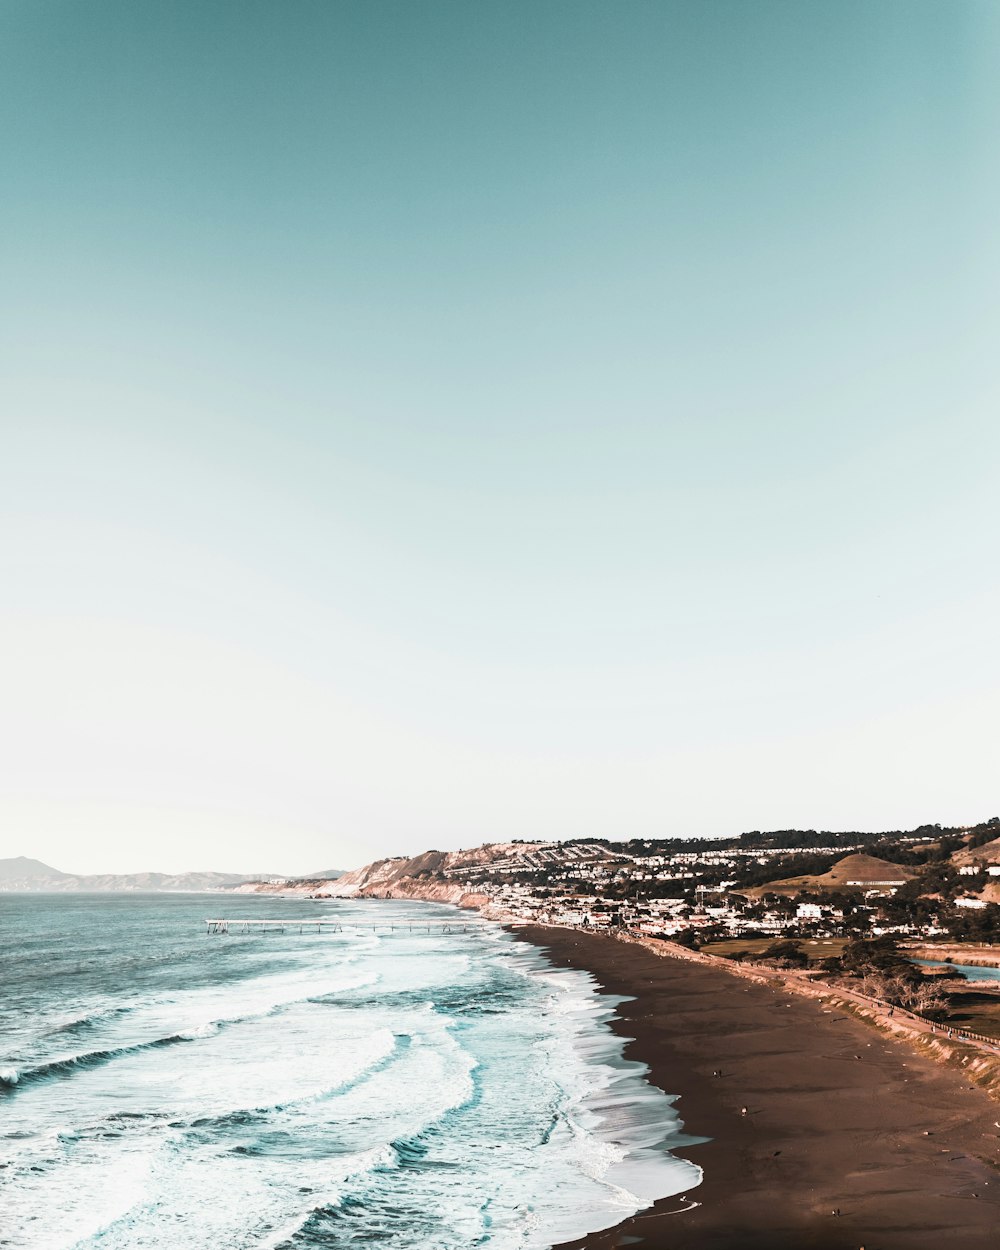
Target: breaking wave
(431,1091)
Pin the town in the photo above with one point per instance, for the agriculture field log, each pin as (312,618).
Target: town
(896,916)
(925,883)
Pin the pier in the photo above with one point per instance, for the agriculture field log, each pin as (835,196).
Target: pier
(225,928)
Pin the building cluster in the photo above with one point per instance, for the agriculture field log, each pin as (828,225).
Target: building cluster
(666,893)
(664,917)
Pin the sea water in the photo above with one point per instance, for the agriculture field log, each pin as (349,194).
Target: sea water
(424,1091)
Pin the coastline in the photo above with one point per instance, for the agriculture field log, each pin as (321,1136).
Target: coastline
(839,1117)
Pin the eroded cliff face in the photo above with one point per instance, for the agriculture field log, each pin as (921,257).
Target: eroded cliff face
(434,876)
(430,876)
(403,888)
(430,892)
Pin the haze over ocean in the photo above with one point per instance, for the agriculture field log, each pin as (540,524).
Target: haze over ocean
(431,423)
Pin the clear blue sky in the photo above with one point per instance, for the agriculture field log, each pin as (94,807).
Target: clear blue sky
(426,423)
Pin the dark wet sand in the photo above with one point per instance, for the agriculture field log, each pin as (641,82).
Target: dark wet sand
(825,1130)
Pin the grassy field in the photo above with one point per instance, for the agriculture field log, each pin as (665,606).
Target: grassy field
(815,948)
(858,868)
(979,1013)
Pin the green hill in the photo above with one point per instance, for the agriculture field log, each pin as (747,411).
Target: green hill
(853,872)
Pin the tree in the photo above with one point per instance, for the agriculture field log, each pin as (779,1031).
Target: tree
(786,953)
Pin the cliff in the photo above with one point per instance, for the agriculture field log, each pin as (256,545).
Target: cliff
(434,876)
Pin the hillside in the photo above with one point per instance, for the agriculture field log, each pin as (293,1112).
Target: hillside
(988,853)
(419,876)
(422,876)
(990,893)
(18,872)
(853,872)
(22,875)
(436,875)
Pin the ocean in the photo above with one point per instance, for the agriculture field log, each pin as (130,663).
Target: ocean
(422,1091)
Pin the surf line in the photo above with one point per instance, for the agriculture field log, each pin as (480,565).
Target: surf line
(652,1215)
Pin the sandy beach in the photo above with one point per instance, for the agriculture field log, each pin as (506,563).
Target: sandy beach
(838,1118)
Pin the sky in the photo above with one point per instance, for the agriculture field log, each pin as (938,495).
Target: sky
(425,424)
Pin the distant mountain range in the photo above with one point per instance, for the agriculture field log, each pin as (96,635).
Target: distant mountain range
(24,875)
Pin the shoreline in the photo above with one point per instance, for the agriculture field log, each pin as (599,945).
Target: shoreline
(839,1117)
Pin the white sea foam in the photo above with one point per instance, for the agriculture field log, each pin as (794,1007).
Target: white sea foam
(326,1089)
(67,1204)
(200,1030)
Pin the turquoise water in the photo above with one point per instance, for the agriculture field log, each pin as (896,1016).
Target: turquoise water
(969,971)
(422,1091)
